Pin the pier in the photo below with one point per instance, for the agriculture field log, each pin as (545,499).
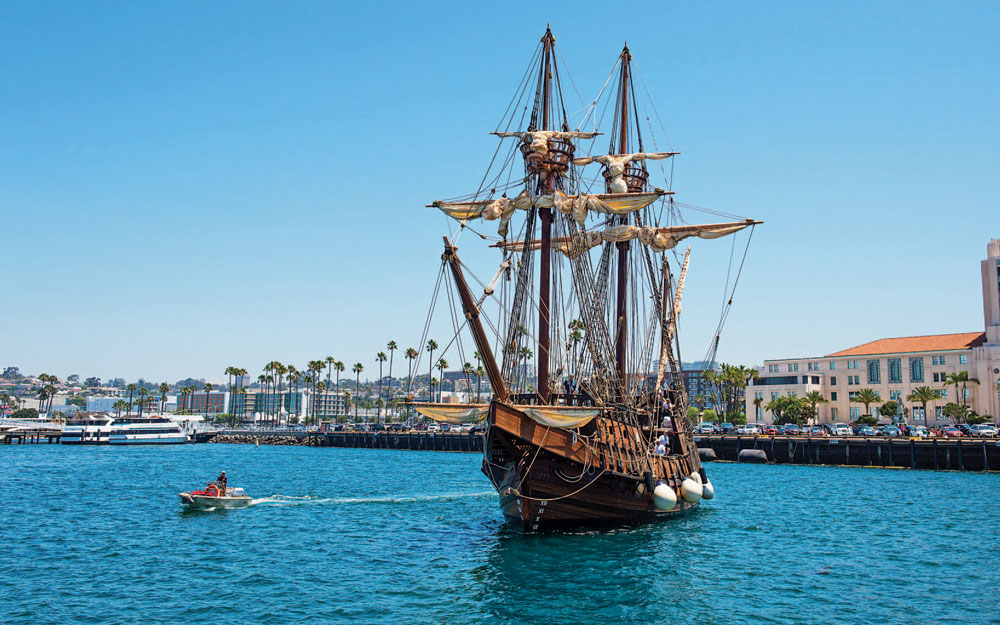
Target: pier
(980,454)
(413,441)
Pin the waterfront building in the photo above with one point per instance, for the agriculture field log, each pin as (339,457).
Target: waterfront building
(260,402)
(894,367)
(329,404)
(202,402)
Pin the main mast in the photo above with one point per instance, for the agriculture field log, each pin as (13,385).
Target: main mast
(621,335)
(547,180)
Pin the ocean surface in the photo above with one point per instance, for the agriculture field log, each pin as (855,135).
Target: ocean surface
(97,535)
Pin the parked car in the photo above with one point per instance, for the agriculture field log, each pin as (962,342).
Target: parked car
(891,430)
(817,430)
(984,429)
(917,431)
(790,429)
(950,431)
(864,430)
(749,429)
(966,429)
(705,428)
(434,427)
(839,429)
(769,430)
(727,428)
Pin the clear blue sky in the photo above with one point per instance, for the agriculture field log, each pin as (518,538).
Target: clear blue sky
(184,187)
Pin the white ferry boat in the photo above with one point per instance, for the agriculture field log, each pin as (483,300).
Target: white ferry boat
(157,430)
(90,430)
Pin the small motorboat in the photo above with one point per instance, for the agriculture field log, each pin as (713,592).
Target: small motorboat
(213,497)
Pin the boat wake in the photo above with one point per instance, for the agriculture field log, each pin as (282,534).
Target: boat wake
(289,500)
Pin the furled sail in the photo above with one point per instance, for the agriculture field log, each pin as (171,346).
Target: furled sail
(455,414)
(560,416)
(657,239)
(575,206)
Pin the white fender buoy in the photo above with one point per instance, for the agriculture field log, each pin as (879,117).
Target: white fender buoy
(707,490)
(664,497)
(691,491)
(696,477)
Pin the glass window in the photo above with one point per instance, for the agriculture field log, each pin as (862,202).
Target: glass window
(934,360)
(833,365)
(938,412)
(833,397)
(944,393)
(855,413)
(791,393)
(796,366)
(895,371)
(896,396)
(790,366)
(916,369)
(833,381)
(963,359)
(874,372)
(935,377)
(834,414)
(775,395)
(942,360)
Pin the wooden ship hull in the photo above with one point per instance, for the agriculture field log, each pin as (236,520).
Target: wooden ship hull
(552,478)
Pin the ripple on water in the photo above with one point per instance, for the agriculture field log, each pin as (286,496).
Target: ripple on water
(369,536)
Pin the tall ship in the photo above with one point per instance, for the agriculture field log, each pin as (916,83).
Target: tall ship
(577,329)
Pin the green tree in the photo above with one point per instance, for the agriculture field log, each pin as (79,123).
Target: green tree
(131,389)
(962,377)
(889,409)
(731,382)
(757,403)
(441,364)
(431,346)
(164,389)
(693,412)
(867,397)
(788,410)
(814,398)
(709,416)
(380,358)
(357,369)
(392,347)
(25,413)
(922,395)
(955,412)
(411,354)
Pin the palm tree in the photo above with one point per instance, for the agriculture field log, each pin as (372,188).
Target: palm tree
(411,355)
(867,397)
(813,398)
(320,388)
(525,355)
(329,367)
(468,372)
(962,377)
(143,394)
(757,401)
(357,369)
(379,358)
(922,395)
(441,364)
(119,405)
(209,387)
(293,386)
(131,389)
(431,346)
(339,367)
(480,372)
(164,389)
(186,394)
(699,400)
(392,347)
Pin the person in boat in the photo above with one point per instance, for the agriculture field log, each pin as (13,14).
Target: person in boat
(221,483)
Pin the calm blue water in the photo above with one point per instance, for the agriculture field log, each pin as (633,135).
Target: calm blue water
(96,535)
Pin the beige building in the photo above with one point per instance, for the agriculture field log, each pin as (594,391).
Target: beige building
(893,367)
